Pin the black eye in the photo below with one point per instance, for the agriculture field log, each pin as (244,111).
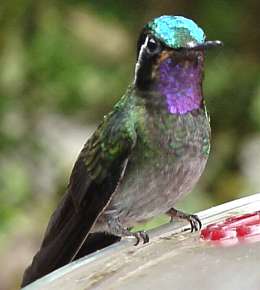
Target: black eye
(153,46)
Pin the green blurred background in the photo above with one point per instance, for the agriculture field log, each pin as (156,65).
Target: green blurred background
(63,64)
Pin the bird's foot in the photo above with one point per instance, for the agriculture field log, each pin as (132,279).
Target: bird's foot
(116,228)
(193,219)
(140,235)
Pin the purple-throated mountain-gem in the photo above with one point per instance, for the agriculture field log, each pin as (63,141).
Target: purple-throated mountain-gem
(146,154)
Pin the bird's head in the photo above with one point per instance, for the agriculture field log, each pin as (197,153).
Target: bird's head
(170,58)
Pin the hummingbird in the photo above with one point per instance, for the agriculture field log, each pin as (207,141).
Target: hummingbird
(144,156)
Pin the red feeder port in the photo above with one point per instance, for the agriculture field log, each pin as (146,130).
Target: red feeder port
(236,228)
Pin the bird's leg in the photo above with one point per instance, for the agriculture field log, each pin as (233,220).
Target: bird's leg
(193,219)
(116,228)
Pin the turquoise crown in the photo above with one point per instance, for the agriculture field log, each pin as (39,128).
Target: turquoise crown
(176,31)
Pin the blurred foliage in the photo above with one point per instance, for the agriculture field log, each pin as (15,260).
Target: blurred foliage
(65,63)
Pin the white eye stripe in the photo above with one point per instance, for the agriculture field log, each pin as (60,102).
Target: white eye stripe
(143,46)
(150,46)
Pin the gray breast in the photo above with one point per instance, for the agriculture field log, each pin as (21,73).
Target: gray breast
(166,163)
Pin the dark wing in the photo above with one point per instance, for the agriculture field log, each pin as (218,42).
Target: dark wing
(94,178)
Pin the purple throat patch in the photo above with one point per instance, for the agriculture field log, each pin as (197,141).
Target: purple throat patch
(180,83)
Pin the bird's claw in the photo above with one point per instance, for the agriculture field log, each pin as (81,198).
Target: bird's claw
(117,229)
(141,235)
(195,222)
(193,219)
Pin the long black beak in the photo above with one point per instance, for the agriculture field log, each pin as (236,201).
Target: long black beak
(209,44)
